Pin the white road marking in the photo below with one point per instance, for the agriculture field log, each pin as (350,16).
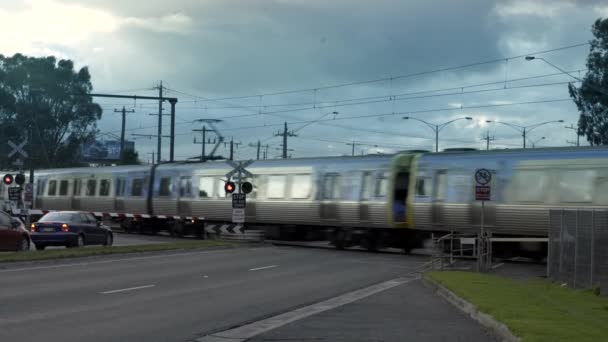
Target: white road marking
(246,332)
(263,267)
(497,265)
(128,289)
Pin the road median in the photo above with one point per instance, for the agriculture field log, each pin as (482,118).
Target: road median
(533,310)
(99,251)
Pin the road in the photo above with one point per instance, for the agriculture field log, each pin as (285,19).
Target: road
(178,296)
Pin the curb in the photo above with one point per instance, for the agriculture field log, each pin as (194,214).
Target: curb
(498,329)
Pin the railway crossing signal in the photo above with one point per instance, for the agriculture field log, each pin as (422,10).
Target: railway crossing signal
(246,187)
(20,179)
(229,187)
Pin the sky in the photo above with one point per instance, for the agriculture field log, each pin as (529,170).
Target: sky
(255,64)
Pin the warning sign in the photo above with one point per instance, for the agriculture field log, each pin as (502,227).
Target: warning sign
(482,193)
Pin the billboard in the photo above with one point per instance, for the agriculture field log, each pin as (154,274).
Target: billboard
(105,150)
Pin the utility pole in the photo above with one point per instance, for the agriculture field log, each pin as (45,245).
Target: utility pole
(160,122)
(122,130)
(575,129)
(232,143)
(204,141)
(258,151)
(353,144)
(285,134)
(487,138)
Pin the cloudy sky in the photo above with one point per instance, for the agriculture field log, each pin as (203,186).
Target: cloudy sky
(259,63)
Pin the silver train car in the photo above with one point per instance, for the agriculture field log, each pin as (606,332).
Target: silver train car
(374,201)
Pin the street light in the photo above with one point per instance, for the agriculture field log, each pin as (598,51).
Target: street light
(536,142)
(599,90)
(437,128)
(524,129)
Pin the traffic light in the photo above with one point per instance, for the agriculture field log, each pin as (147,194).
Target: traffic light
(246,187)
(8,179)
(229,187)
(20,179)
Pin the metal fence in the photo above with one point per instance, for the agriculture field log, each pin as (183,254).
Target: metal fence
(578,248)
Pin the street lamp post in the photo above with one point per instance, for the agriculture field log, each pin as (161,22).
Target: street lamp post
(524,129)
(599,90)
(536,142)
(437,128)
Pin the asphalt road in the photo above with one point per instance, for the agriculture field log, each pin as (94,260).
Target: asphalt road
(178,296)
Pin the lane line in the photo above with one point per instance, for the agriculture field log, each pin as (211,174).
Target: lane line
(263,268)
(248,331)
(128,289)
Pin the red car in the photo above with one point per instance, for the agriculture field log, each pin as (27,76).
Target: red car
(13,235)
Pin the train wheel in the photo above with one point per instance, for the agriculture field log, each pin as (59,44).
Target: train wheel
(339,239)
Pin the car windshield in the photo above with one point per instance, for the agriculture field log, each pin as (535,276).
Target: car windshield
(58,217)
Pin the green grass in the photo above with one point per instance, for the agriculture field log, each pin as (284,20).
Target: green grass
(90,251)
(535,310)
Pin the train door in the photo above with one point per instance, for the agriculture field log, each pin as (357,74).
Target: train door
(184,205)
(439,191)
(329,199)
(365,196)
(401,188)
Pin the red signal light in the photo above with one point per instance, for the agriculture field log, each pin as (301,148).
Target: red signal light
(229,187)
(8,179)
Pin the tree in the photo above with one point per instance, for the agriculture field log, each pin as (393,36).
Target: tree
(130,157)
(592,96)
(51,99)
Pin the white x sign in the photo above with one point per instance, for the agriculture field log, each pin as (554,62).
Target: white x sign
(239,167)
(17,148)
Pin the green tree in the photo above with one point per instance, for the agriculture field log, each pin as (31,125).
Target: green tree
(591,97)
(51,99)
(130,157)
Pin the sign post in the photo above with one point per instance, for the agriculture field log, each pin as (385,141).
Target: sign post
(239,202)
(483,177)
(15,192)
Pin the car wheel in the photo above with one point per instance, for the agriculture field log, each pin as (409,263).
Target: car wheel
(109,240)
(80,241)
(40,247)
(24,245)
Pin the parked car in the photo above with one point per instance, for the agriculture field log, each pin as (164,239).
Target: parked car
(70,229)
(13,235)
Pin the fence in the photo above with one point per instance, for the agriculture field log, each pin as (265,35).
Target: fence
(578,248)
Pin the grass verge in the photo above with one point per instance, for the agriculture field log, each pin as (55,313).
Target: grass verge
(534,310)
(91,251)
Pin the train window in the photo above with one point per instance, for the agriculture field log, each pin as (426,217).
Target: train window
(76,189)
(165,186)
(440,185)
(52,188)
(137,187)
(91,187)
(530,186)
(366,186)
(276,186)
(40,187)
(576,185)
(301,186)
(104,187)
(185,186)
(423,187)
(331,186)
(381,185)
(121,185)
(63,188)
(205,187)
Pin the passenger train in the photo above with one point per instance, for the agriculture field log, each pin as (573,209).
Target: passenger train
(375,200)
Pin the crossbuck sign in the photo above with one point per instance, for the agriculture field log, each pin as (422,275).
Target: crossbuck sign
(17,149)
(239,167)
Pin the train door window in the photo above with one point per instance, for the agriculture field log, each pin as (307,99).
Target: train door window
(328,184)
(205,187)
(381,185)
(400,195)
(185,187)
(530,185)
(137,187)
(576,186)
(366,186)
(104,187)
(52,188)
(440,184)
(91,187)
(301,186)
(276,186)
(601,190)
(165,187)
(77,186)
(121,185)
(423,187)
(40,187)
(63,188)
